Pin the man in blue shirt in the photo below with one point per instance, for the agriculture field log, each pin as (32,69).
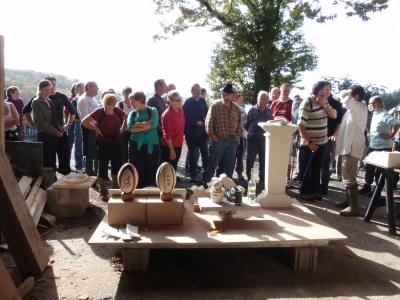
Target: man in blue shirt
(255,134)
(195,109)
(383,128)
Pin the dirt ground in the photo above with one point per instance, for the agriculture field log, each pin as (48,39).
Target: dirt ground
(366,266)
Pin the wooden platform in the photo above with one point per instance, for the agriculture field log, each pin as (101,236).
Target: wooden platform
(296,227)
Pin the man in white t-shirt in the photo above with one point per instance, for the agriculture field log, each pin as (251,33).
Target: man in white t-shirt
(350,145)
(86,105)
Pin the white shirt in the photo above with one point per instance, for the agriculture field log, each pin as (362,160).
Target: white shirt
(9,116)
(351,138)
(86,105)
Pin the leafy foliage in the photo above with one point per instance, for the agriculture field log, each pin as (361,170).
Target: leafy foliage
(390,99)
(27,82)
(262,41)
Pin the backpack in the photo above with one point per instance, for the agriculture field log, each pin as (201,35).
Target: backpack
(114,137)
(103,114)
(148,109)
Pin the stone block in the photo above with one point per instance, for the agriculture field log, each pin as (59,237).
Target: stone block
(121,213)
(67,203)
(164,213)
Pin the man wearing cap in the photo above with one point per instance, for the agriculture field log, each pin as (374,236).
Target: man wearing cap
(224,127)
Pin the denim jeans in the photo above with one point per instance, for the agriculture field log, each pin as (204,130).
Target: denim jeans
(75,137)
(222,150)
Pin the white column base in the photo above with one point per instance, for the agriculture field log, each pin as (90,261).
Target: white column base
(274,201)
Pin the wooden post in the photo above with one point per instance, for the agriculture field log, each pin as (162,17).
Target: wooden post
(8,291)
(16,223)
(2,78)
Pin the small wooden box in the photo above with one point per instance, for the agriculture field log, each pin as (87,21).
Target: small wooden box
(121,213)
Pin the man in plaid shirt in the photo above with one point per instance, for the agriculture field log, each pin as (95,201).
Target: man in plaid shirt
(224,127)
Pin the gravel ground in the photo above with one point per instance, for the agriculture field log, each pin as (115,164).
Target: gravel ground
(366,266)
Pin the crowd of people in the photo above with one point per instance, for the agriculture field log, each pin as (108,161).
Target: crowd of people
(146,132)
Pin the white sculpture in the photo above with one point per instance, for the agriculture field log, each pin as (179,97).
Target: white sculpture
(278,135)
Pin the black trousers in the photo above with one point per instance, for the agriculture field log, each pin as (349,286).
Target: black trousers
(239,156)
(165,156)
(145,163)
(193,145)
(125,137)
(63,155)
(311,179)
(49,149)
(256,146)
(109,152)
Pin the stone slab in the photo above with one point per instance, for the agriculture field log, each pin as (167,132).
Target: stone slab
(206,204)
(67,203)
(295,226)
(85,183)
(159,212)
(121,213)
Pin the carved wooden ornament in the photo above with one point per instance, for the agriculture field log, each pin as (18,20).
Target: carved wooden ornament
(128,179)
(166,180)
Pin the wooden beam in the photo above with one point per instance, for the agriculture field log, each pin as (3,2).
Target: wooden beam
(2,79)
(25,185)
(8,291)
(16,223)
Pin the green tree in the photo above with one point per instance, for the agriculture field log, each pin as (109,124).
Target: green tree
(27,82)
(262,41)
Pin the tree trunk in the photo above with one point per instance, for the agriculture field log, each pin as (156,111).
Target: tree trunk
(262,80)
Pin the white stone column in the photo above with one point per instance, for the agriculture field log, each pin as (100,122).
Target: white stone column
(278,139)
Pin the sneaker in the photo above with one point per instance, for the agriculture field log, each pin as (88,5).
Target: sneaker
(365,189)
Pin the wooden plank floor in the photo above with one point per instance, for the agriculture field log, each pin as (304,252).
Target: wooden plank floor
(296,226)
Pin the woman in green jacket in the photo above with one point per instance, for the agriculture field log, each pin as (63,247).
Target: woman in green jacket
(47,126)
(144,145)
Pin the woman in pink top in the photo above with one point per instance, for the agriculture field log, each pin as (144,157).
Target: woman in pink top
(173,126)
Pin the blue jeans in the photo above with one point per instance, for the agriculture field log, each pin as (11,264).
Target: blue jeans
(75,137)
(223,150)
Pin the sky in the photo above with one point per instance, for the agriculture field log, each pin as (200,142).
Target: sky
(111,42)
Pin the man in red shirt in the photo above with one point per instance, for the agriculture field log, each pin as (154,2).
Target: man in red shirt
(283,106)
